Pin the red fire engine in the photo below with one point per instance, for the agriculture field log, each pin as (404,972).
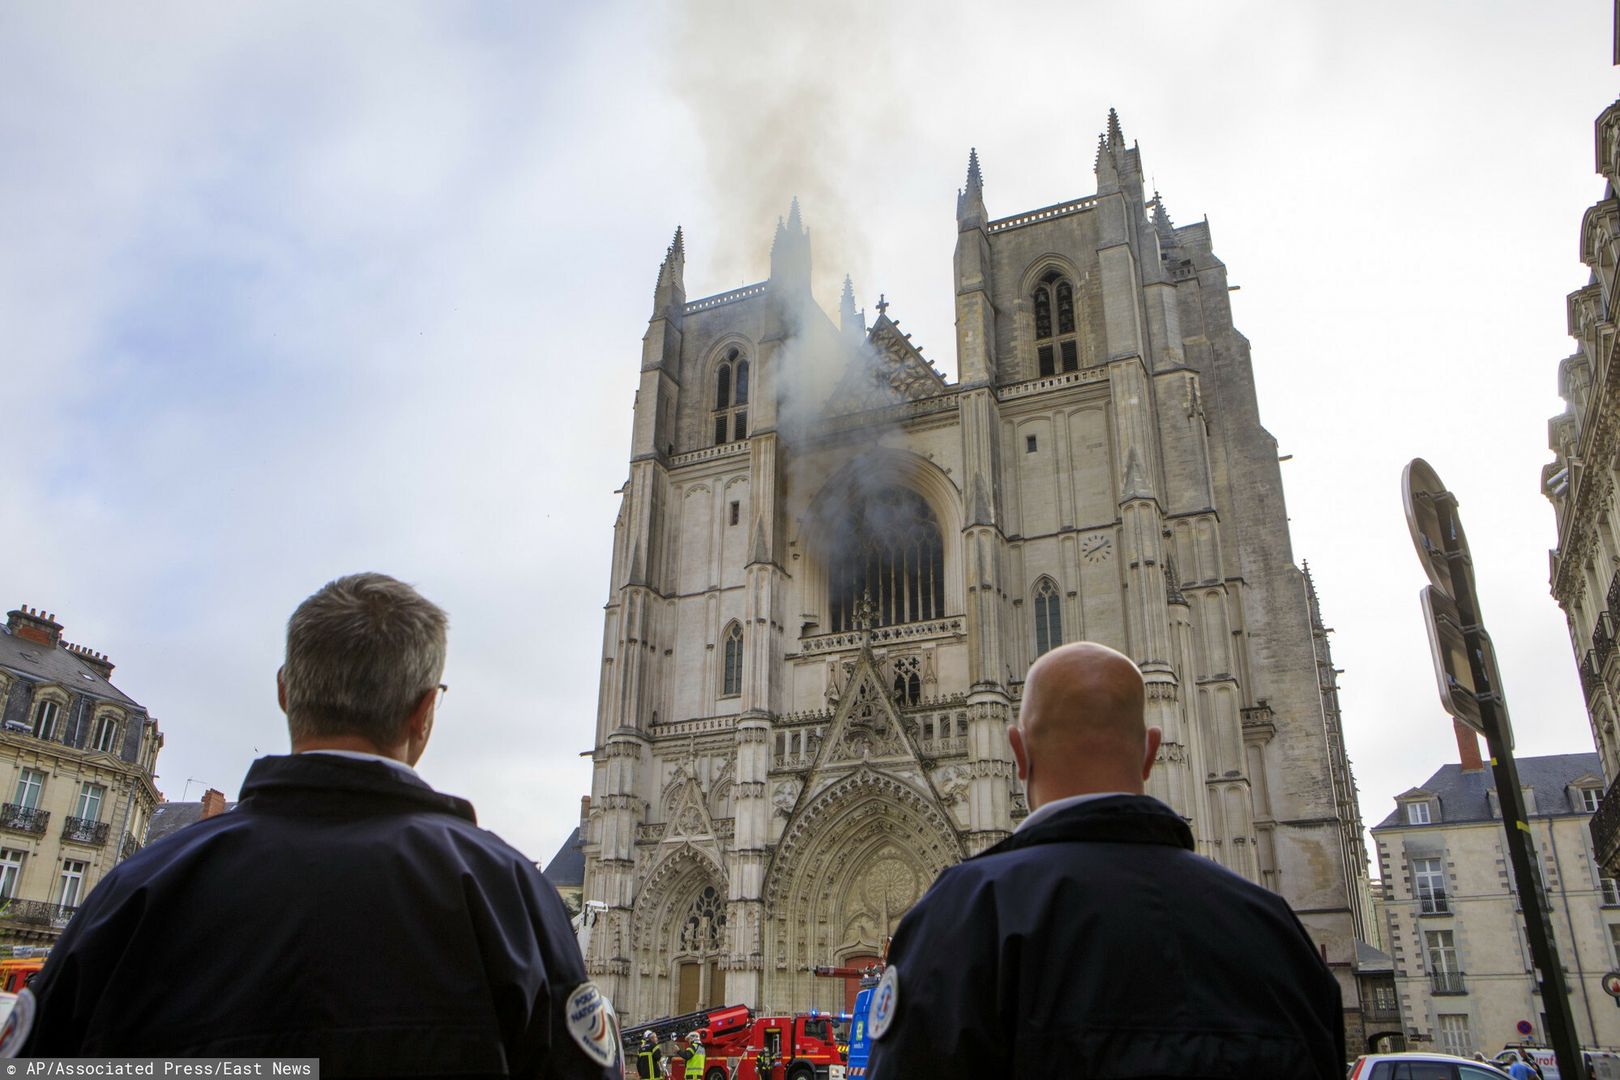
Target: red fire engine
(739,1045)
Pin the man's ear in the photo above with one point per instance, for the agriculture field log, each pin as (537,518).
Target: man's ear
(1020,751)
(1154,735)
(281,688)
(419,726)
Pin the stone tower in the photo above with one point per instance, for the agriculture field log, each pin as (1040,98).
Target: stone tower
(832,569)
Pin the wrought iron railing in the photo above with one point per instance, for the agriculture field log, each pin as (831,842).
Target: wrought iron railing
(1447,982)
(1434,903)
(130,847)
(36,913)
(85,831)
(23,818)
(1614,595)
(1603,638)
(1591,676)
(1605,826)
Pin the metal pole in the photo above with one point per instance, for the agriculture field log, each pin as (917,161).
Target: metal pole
(1520,841)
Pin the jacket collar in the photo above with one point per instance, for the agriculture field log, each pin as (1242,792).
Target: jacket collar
(270,780)
(1128,819)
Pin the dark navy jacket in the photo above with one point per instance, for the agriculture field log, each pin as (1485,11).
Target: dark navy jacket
(1095,943)
(342,911)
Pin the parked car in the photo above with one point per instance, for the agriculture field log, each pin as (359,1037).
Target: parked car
(1422,1066)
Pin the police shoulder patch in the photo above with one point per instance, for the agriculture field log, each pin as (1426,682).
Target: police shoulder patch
(18,1025)
(885,1000)
(592,1024)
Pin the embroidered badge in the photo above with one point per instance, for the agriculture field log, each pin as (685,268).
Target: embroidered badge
(884,1002)
(18,1025)
(592,1024)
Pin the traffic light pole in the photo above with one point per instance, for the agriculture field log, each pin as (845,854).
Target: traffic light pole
(1493,722)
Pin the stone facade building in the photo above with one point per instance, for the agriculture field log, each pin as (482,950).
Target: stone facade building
(1585,440)
(76,772)
(832,568)
(1463,972)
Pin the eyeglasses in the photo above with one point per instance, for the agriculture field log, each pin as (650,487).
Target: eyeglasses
(443,688)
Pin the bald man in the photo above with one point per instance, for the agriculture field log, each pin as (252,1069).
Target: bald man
(1093,941)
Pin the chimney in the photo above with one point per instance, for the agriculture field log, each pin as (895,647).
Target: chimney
(96,662)
(1468,747)
(213,802)
(31,624)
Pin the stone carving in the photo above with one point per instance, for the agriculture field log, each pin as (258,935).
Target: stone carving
(868,732)
(784,795)
(952,782)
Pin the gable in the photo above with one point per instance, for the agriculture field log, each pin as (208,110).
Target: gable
(887,370)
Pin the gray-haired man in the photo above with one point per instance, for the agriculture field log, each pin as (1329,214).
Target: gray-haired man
(345,910)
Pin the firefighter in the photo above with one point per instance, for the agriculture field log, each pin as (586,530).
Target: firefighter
(649,1060)
(696,1060)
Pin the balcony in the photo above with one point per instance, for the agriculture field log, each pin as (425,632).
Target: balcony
(1605,826)
(1614,596)
(36,913)
(1447,982)
(1603,639)
(85,831)
(28,819)
(1591,676)
(130,847)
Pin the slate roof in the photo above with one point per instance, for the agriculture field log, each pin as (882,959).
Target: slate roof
(170,817)
(42,663)
(1370,959)
(567,867)
(1462,795)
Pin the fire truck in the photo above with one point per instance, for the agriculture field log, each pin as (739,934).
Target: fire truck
(740,1045)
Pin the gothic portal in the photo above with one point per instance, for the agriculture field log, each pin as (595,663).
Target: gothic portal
(832,569)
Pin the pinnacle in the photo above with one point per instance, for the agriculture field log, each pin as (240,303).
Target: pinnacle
(794,222)
(1116,137)
(678,245)
(974,178)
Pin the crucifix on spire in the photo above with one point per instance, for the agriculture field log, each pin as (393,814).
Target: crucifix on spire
(882,304)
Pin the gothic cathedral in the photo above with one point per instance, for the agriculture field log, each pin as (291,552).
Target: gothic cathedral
(832,568)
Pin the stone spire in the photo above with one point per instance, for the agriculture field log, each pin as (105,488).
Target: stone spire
(671,287)
(790,252)
(970,210)
(851,322)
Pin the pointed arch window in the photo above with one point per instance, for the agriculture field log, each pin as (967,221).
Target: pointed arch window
(888,550)
(731,398)
(1056,344)
(1048,617)
(731,678)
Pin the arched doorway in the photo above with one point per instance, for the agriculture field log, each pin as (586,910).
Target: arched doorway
(850,864)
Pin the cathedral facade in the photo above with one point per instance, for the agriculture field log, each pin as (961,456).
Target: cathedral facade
(832,568)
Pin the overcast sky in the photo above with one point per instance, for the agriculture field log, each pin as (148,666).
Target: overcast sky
(292,290)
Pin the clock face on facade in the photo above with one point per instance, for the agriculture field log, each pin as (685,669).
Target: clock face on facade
(1095,548)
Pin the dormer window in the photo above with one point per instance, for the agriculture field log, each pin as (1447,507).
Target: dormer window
(731,399)
(46,713)
(1055,341)
(1590,797)
(1417,813)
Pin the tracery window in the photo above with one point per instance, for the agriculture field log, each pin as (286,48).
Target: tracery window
(705,925)
(731,676)
(1055,292)
(907,680)
(1048,617)
(888,550)
(731,399)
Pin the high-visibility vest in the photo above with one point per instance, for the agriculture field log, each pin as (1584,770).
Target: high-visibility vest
(645,1065)
(694,1066)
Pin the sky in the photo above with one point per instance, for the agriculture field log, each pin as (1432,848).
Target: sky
(292,290)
